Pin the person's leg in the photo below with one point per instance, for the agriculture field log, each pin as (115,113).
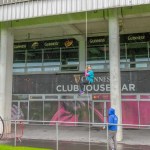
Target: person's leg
(84,82)
(110,140)
(114,140)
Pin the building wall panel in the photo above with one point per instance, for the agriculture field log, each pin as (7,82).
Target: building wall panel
(39,8)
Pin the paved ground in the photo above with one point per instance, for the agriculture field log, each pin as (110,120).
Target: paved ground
(81,138)
(66,145)
(82,134)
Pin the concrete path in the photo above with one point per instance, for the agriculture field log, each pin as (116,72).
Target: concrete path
(82,134)
(81,138)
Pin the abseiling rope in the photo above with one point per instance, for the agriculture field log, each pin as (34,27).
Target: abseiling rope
(86,34)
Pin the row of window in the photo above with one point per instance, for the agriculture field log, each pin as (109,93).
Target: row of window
(132,55)
(50,110)
(48,59)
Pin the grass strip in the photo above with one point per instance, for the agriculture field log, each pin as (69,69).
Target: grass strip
(6,147)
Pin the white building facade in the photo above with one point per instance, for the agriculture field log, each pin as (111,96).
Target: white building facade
(101,33)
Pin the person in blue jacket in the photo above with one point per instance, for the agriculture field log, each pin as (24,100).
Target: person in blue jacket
(89,74)
(112,129)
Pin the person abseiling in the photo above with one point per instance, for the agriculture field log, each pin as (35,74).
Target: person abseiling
(89,74)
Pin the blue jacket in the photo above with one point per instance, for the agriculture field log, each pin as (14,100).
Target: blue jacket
(113,119)
(90,76)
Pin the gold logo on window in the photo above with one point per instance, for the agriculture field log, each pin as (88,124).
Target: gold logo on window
(34,45)
(68,43)
(77,78)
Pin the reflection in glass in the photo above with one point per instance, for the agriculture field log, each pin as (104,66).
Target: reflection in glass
(96,57)
(19,61)
(137,52)
(34,59)
(15,114)
(65,112)
(98,112)
(69,56)
(19,112)
(34,56)
(51,61)
(122,53)
(69,59)
(96,54)
(123,58)
(84,111)
(36,110)
(19,56)
(50,109)
(24,109)
(52,56)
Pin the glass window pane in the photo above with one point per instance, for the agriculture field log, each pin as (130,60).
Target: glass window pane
(51,61)
(122,53)
(34,69)
(19,56)
(96,57)
(96,54)
(69,59)
(34,56)
(19,70)
(50,111)
(20,97)
(15,111)
(99,112)
(122,56)
(69,56)
(107,53)
(52,68)
(82,111)
(52,56)
(19,60)
(137,54)
(34,59)
(24,109)
(18,111)
(61,111)
(36,110)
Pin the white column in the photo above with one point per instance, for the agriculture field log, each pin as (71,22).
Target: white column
(115,79)
(6,62)
(82,52)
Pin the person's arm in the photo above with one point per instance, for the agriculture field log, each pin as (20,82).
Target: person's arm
(86,73)
(110,120)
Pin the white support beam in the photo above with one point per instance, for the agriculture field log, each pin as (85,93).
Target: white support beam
(6,61)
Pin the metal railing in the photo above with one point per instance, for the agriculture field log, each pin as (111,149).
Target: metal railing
(74,131)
